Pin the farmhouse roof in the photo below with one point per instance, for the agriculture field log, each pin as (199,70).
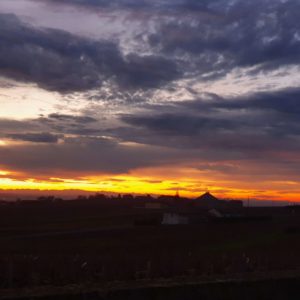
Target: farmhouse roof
(207,197)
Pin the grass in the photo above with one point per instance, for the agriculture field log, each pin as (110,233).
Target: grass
(120,254)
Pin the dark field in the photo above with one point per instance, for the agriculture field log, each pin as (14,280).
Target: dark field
(88,243)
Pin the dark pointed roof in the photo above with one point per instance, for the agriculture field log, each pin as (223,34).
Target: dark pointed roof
(207,198)
(207,195)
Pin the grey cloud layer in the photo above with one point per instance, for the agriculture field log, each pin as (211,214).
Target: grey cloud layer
(83,156)
(250,126)
(247,33)
(35,137)
(262,127)
(141,4)
(219,35)
(207,38)
(237,123)
(59,61)
(189,39)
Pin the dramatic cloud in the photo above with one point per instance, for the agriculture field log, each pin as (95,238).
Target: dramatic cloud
(196,87)
(59,61)
(35,137)
(83,156)
(249,124)
(69,118)
(237,34)
(135,5)
(181,39)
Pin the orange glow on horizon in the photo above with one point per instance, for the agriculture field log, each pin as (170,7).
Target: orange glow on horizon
(4,173)
(2,143)
(142,183)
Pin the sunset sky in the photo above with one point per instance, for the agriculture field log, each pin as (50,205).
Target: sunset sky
(151,96)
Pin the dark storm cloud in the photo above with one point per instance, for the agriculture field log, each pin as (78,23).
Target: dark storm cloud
(210,129)
(259,122)
(59,61)
(82,155)
(49,129)
(214,37)
(70,118)
(148,71)
(104,3)
(35,137)
(178,124)
(238,34)
(53,59)
(68,124)
(283,103)
(248,126)
(150,5)
(205,39)
(8,125)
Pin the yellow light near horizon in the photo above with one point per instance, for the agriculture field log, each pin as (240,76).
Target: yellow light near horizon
(122,185)
(2,143)
(31,184)
(129,184)
(4,173)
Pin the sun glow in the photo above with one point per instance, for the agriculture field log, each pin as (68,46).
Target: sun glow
(4,173)
(190,187)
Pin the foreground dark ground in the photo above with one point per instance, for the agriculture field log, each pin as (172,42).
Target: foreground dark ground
(71,243)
